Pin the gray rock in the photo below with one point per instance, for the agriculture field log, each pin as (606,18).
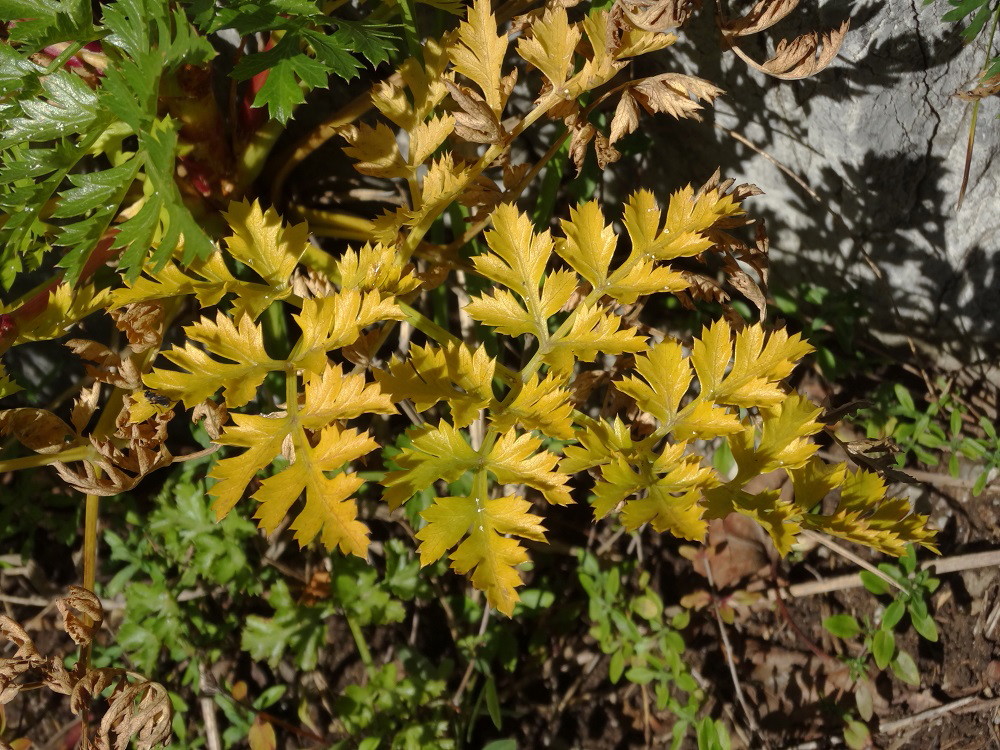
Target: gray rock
(881,140)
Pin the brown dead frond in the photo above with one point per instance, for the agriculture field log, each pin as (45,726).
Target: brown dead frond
(762,16)
(658,15)
(136,707)
(802,56)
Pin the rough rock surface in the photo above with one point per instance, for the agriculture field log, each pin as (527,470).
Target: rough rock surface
(881,140)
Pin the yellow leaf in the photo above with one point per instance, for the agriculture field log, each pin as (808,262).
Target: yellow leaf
(519,255)
(663,492)
(375,151)
(642,219)
(600,443)
(666,510)
(454,373)
(490,556)
(540,404)
(784,439)
(635,42)
(704,419)
(815,480)
(666,378)
(758,366)
(261,242)
(551,45)
(521,459)
(201,375)
(480,53)
(593,331)
(589,245)
(760,362)
(781,520)
(333,396)
(433,453)
(426,137)
(329,510)
(65,307)
(261,735)
(425,81)
(646,278)
(602,66)
(335,322)
(688,218)
(441,185)
(376,268)
(866,516)
(518,261)
(502,311)
(710,356)
(7,386)
(262,438)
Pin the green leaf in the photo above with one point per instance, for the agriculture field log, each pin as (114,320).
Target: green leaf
(924,624)
(883,647)
(893,614)
(373,41)
(640,675)
(616,667)
(904,398)
(873,583)
(842,626)
(856,734)
(864,699)
(296,629)
(492,702)
(905,668)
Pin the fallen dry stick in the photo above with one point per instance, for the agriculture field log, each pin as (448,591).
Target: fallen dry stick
(972,561)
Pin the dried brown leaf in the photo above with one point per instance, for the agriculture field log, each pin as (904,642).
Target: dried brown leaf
(762,16)
(12,631)
(801,57)
(110,367)
(148,721)
(142,324)
(675,94)
(605,152)
(80,627)
(657,15)
(514,173)
(213,415)
(989,87)
(626,118)
(84,407)
(91,685)
(583,134)
(37,429)
(475,120)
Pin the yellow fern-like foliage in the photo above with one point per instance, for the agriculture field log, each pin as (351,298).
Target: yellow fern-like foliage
(505,415)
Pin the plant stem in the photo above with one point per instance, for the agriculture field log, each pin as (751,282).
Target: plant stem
(359,640)
(65,55)
(45,459)
(975,114)
(254,156)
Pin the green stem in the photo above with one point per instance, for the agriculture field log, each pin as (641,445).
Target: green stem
(410,34)
(65,55)
(975,113)
(359,640)
(45,459)
(254,156)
